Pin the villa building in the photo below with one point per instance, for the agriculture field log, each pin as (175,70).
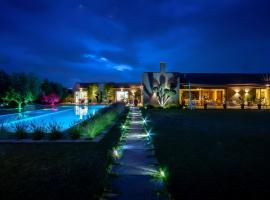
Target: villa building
(85,93)
(215,89)
(173,88)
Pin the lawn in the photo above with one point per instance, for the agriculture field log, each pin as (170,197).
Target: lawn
(56,170)
(213,154)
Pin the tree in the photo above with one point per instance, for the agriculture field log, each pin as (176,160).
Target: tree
(15,96)
(93,92)
(49,87)
(51,99)
(4,83)
(138,94)
(68,95)
(109,92)
(24,88)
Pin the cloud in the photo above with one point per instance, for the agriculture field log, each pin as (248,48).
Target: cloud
(108,63)
(123,68)
(103,59)
(68,39)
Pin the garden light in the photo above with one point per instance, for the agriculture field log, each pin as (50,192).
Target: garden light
(162,174)
(115,154)
(148,134)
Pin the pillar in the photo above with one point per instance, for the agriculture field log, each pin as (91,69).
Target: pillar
(215,95)
(267,96)
(141,88)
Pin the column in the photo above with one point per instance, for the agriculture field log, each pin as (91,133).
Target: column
(267,96)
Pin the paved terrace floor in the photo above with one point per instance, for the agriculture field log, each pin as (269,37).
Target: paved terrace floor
(136,167)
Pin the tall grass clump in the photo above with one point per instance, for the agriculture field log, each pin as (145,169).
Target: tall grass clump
(75,132)
(54,130)
(3,131)
(20,130)
(38,131)
(100,121)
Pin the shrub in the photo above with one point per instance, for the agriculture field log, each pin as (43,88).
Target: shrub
(172,106)
(38,132)
(54,131)
(97,123)
(3,131)
(149,106)
(75,132)
(20,130)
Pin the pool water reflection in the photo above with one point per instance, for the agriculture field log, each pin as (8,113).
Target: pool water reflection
(65,116)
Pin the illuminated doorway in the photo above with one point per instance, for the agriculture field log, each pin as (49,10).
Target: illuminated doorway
(122,96)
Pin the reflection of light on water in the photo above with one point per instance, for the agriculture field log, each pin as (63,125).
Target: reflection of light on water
(81,111)
(54,109)
(94,112)
(21,116)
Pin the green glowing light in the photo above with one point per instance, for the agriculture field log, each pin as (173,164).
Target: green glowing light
(162,174)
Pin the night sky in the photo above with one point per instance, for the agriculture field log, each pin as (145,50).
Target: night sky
(117,40)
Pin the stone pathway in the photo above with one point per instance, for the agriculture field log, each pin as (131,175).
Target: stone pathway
(137,166)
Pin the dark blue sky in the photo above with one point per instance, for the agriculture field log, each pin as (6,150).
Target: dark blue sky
(117,40)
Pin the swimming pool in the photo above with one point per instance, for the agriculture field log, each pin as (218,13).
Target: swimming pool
(64,116)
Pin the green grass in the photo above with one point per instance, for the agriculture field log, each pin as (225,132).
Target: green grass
(56,170)
(98,124)
(93,126)
(214,154)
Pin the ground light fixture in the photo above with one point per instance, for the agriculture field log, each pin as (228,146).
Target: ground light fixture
(124,126)
(144,120)
(148,134)
(117,152)
(162,174)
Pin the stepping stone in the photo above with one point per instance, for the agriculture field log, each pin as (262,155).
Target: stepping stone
(137,166)
(137,187)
